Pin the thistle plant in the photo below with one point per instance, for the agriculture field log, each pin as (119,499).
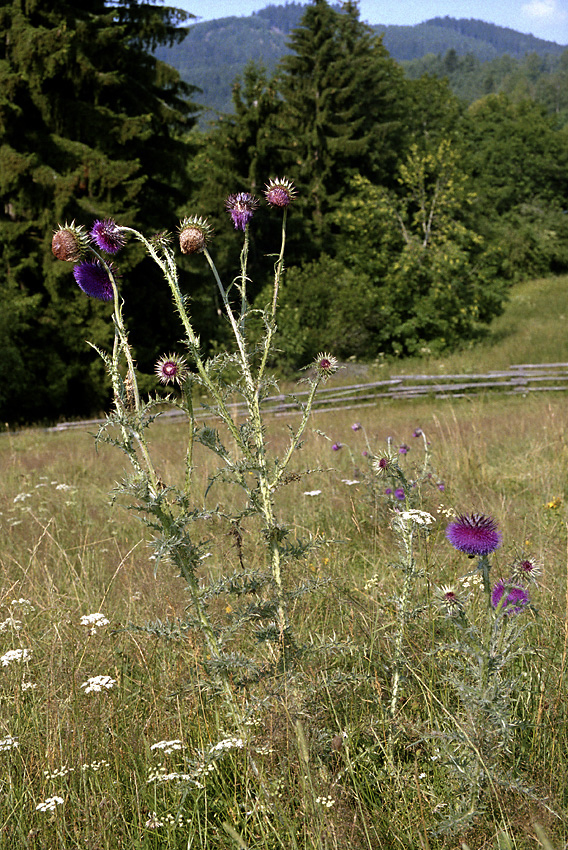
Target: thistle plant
(484,662)
(175,513)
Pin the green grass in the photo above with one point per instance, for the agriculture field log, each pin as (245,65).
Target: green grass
(320,735)
(532,329)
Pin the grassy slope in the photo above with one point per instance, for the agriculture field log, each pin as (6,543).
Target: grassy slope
(532,329)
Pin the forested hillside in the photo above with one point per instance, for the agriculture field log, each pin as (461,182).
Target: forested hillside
(414,211)
(469,52)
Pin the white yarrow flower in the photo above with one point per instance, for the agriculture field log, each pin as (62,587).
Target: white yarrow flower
(168,746)
(419,517)
(17,655)
(8,743)
(227,744)
(94,622)
(49,804)
(97,683)
(312,492)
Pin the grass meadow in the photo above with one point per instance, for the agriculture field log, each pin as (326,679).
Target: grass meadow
(149,758)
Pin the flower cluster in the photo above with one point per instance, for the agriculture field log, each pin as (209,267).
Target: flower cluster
(94,622)
(50,804)
(168,746)
(97,683)
(17,655)
(477,534)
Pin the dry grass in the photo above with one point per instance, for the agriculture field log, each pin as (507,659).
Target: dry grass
(70,553)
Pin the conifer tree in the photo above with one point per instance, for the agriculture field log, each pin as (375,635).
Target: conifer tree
(91,126)
(341,109)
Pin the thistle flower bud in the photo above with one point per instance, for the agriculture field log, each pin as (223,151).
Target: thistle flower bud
(279,193)
(69,243)
(171,369)
(325,365)
(241,208)
(194,234)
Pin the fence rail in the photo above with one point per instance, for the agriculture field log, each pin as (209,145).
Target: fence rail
(518,379)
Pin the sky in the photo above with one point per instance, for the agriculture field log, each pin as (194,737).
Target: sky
(546,19)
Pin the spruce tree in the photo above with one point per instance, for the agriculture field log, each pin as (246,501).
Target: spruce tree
(341,111)
(91,126)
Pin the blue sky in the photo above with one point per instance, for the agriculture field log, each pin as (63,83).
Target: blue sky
(543,18)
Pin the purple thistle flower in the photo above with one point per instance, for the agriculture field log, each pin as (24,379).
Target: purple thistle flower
(441,486)
(337,446)
(92,277)
(399,494)
(516,599)
(388,491)
(108,236)
(403,449)
(241,207)
(356,426)
(417,432)
(474,534)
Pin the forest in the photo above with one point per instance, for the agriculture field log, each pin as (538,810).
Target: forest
(419,199)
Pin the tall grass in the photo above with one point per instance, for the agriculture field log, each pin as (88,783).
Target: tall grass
(319,744)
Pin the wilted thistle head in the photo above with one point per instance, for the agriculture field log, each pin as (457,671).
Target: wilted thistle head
(474,534)
(171,369)
(108,236)
(69,243)
(516,598)
(194,234)
(449,600)
(279,193)
(525,569)
(325,365)
(383,463)
(241,207)
(92,277)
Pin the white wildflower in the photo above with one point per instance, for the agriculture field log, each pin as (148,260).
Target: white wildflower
(65,487)
(160,774)
(227,744)
(312,492)
(10,623)
(350,481)
(97,683)
(25,605)
(168,746)
(29,686)
(325,801)
(95,766)
(49,804)
(94,622)
(419,517)
(58,774)
(21,497)
(154,822)
(8,743)
(18,655)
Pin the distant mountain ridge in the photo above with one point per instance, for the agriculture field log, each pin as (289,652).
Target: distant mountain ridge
(215,52)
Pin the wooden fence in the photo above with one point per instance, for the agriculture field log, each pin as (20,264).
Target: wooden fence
(518,379)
